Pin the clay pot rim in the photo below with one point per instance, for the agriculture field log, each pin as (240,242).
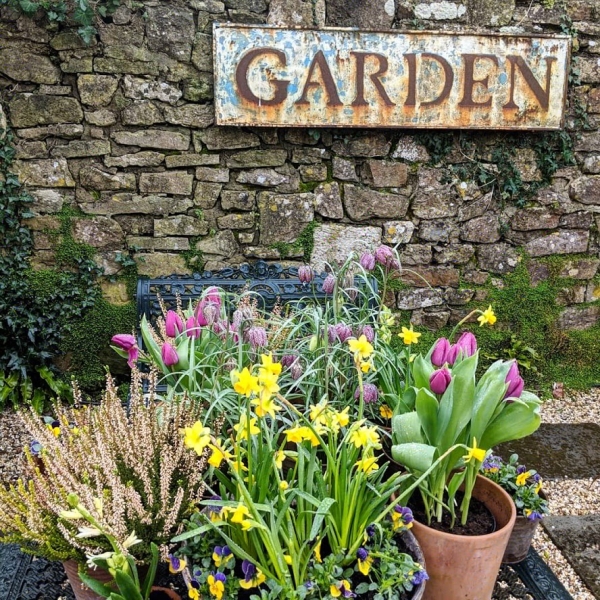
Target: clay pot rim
(490,536)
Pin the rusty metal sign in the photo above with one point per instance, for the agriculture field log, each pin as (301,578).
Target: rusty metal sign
(273,76)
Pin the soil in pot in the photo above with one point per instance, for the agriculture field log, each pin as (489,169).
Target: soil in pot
(480,521)
(160,593)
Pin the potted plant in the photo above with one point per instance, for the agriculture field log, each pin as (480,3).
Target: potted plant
(301,507)
(127,467)
(525,488)
(453,407)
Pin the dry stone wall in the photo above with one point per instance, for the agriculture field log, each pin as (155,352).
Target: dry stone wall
(122,130)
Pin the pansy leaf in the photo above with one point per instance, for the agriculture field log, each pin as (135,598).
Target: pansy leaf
(415,457)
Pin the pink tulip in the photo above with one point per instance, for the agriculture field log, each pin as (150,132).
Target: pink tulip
(515,382)
(169,355)
(173,324)
(125,341)
(440,352)
(467,344)
(440,380)
(192,328)
(452,354)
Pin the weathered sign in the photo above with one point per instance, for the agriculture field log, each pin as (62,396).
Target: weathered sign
(271,76)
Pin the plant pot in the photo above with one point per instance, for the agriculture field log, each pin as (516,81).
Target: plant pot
(465,567)
(520,539)
(81,592)
(161,593)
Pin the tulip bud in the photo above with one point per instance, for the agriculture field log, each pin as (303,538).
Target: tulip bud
(452,354)
(192,328)
(169,355)
(125,341)
(305,274)
(368,332)
(440,352)
(173,324)
(367,261)
(467,344)
(440,380)
(329,284)
(515,382)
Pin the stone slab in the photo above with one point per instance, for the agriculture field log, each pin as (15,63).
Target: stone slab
(559,450)
(579,539)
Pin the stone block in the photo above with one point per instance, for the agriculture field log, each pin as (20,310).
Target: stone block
(180,225)
(199,88)
(81,148)
(96,90)
(297,13)
(455,254)
(144,89)
(179,244)
(121,66)
(328,201)
(161,264)
(225,138)
(386,174)
(578,318)
(493,13)
(94,179)
(47,201)
(43,224)
(191,160)
(588,142)
(263,177)
(55,90)
(591,164)
(207,194)
(146,158)
(364,14)
(344,169)
(136,224)
(483,230)
(571,295)
(434,199)
(497,258)
(438,231)
(141,113)
(68,40)
(397,232)
(412,299)
(51,173)
(202,52)
(458,297)
(213,175)
(162,139)
(309,156)
(309,173)
(284,216)
(430,320)
(411,151)
(529,219)
(362,204)
(368,146)
(99,232)
(580,269)
(176,183)
(238,200)
(130,204)
(257,158)
(440,11)
(586,190)
(474,209)
(560,242)
(236,221)
(102,117)
(222,244)
(197,116)
(261,252)
(431,277)
(416,254)
(30,110)
(78,65)
(19,65)
(27,150)
(333,243)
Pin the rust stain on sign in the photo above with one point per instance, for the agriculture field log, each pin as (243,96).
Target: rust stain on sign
(272,76)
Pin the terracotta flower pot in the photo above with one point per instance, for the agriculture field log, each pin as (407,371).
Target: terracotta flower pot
(520,539)
(81,592)
(464,567)
(161,593)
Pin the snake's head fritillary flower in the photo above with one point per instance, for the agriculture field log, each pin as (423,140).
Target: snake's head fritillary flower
(305,274)
(367,261)
(329,284)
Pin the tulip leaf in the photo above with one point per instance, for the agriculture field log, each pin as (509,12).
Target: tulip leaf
(406,428)
(421,371)
(518,419)
(95,585)
(415,457)
(150,345)
(456,404)
(490,391)
(427,408)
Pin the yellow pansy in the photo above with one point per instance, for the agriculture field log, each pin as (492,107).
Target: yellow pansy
(257,579)
(244,427)
(368,465)
(245,383)
(487,316)
(215,585)
(361,347)
(475,452)
(409,336)
(268,364)
(193,593)
(196,437)
(218,456)
(341,588)
(538,487)
(385,411)
(522,478)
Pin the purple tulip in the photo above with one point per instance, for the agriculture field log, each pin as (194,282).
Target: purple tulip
(169,355)
(305,274)
(125,341)
(367,261)
(368,332)
(384,255)
(440,380)
(329,284)
(515,382)
(370,393)
(440,352)
(173,324)
(192,329)
(467,344)
(452,354)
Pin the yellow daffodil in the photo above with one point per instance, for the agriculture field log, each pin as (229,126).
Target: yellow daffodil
(487,316)
(218,456)
(265,406)
(240,515)
(268,382)
(522,478)
(317,412)
(343,587)
(216,586)
(244,427)
(283,485)
(361,347)
(294,434)
(385,411)
(475,452)
(368,465)
(245,383)
(268,364)
(365,437)
(342,417)
(279,458)
(196,437)
(409,336)
(288,559)
(317,551)
(366,366)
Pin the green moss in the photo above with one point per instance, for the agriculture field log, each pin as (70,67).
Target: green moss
(194,257)
(304,242)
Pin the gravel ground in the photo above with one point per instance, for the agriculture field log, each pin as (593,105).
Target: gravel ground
(568,497)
